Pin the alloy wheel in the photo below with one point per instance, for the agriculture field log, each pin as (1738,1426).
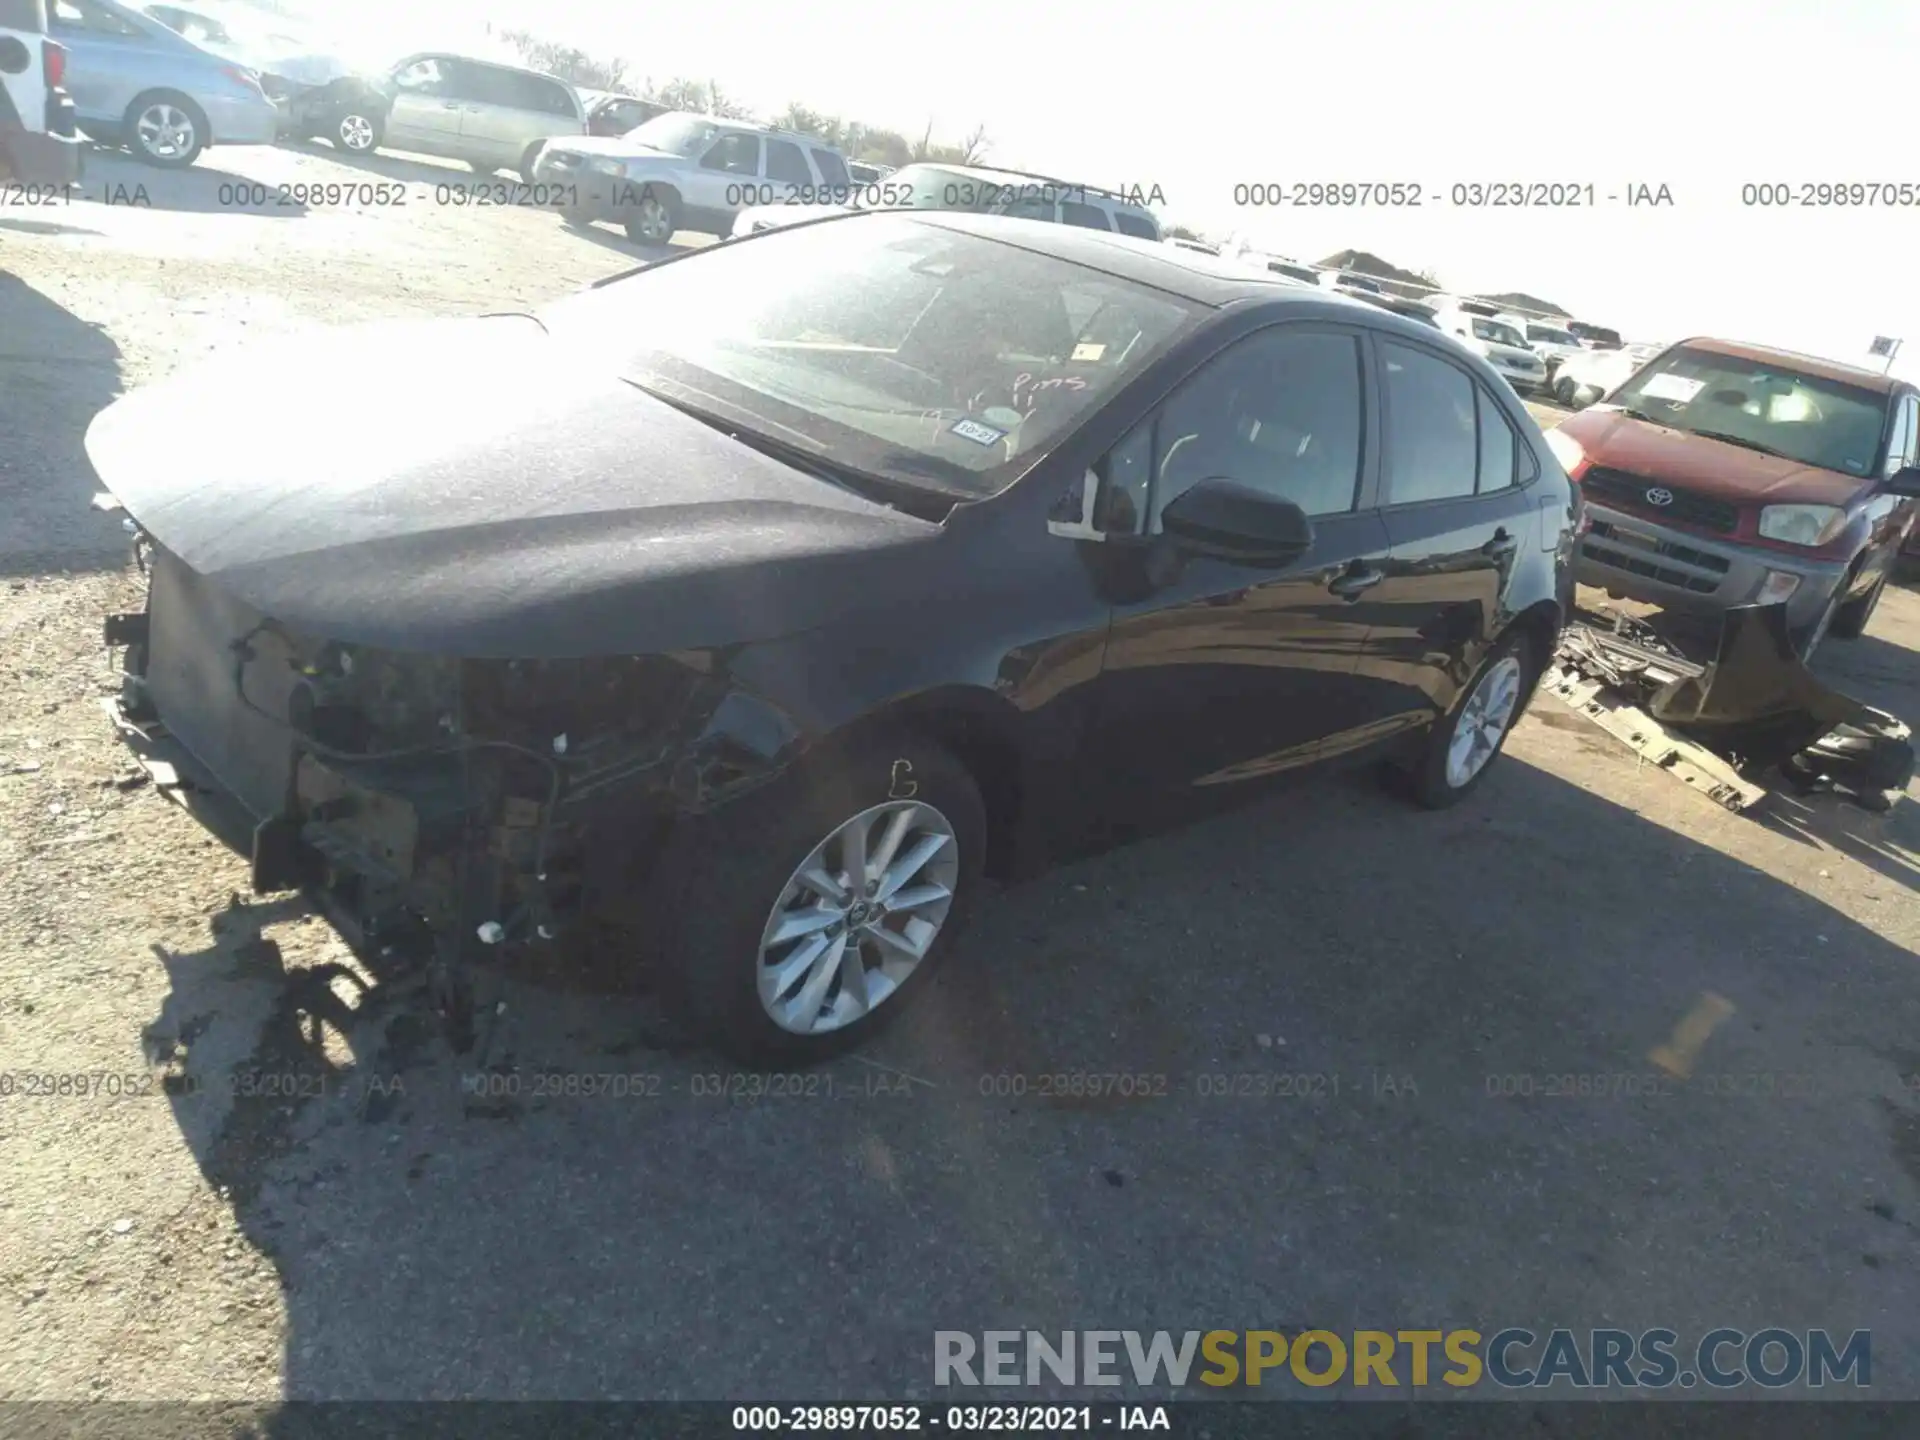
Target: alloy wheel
(356,132)
(1483,721)
(857,917)
(653,222)
(164,131)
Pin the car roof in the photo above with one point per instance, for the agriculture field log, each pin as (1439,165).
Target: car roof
(1206,279)
(754,127)
(1813,365)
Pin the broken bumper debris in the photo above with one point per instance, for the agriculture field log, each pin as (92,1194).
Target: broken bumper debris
(1725,726)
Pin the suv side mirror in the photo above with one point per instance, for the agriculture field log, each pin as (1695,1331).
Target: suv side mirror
(1904,481)
(1230,521)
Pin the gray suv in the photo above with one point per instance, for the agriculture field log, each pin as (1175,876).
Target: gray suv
(682,171)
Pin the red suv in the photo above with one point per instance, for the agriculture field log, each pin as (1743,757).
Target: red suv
(1726,474)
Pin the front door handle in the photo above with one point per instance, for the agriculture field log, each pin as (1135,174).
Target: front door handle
(1500,546)
(1352,583)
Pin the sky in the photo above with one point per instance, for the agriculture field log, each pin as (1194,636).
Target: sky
(1702,97)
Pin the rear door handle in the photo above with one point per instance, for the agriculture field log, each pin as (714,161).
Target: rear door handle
(1500,546)
(1351,584)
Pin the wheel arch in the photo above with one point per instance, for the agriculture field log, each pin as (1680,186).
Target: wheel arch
(981,730)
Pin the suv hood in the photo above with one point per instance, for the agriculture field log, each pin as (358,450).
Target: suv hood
(484,493)
(793,214)
(1712,467)
(617,146)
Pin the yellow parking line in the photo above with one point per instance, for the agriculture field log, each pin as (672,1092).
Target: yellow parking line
(1676,1057)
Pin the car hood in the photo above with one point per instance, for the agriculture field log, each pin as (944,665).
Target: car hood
(469,487)
(617,146)
(1712,467)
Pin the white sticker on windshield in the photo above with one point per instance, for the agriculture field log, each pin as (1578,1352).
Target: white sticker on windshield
(978,432)
(1087,351)
(1677,388)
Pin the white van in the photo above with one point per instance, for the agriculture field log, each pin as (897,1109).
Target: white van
(1496,338)
(39,145)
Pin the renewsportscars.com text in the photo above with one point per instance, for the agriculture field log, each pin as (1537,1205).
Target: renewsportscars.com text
(1512,1358)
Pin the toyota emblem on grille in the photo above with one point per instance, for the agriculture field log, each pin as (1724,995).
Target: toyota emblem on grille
(1659,496)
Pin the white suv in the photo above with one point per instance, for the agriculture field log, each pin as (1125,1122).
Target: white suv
(985,189)
(38,142)
(682,171)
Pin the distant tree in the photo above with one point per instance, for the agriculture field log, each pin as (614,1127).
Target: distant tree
(678,94)
(568,62)
(1181,232)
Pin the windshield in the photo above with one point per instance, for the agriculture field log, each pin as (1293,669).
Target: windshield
(1547,335)
(1358,282)
(1767,407)
(1498,333)
(685,135)
(903,349)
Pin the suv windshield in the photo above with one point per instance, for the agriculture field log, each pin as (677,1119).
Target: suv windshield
(1498,333)
(901,348)
(1547,335)
(687,136)
(1764,407)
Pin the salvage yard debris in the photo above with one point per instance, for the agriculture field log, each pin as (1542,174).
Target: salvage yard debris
(1753,710)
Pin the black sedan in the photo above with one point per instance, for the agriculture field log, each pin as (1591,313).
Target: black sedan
(764,601)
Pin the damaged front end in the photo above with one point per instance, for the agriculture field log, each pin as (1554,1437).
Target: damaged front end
(435,807)
(1725,724)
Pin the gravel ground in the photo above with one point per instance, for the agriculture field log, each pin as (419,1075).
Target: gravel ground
(383,1231)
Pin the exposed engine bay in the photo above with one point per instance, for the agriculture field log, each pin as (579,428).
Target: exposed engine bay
(434,807)
(1728,724)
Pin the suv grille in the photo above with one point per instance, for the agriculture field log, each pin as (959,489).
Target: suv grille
(1621,490)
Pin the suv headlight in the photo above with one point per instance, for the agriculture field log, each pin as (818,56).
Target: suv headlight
(1802,524)
(607,165)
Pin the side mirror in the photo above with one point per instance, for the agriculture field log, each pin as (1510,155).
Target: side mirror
(14,58)
(1229,521)
(1904,481)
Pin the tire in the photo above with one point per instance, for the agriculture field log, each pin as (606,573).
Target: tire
(1510,668)
(356,131)
(1565,391)
(1850,620)
(725,875)
(164,128)
(657,217)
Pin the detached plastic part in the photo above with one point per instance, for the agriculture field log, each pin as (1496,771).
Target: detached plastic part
(1757,701)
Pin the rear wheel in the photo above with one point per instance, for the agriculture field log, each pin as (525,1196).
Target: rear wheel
(801,918)
(166,129)
(1462,746)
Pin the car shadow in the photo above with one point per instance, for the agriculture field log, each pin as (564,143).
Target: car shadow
(389,165)
(45,227)
(57,372)
(1292,1063)
(113,177)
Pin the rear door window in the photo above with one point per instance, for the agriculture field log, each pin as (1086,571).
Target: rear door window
(832,169)
(1432,449)
(785,163)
